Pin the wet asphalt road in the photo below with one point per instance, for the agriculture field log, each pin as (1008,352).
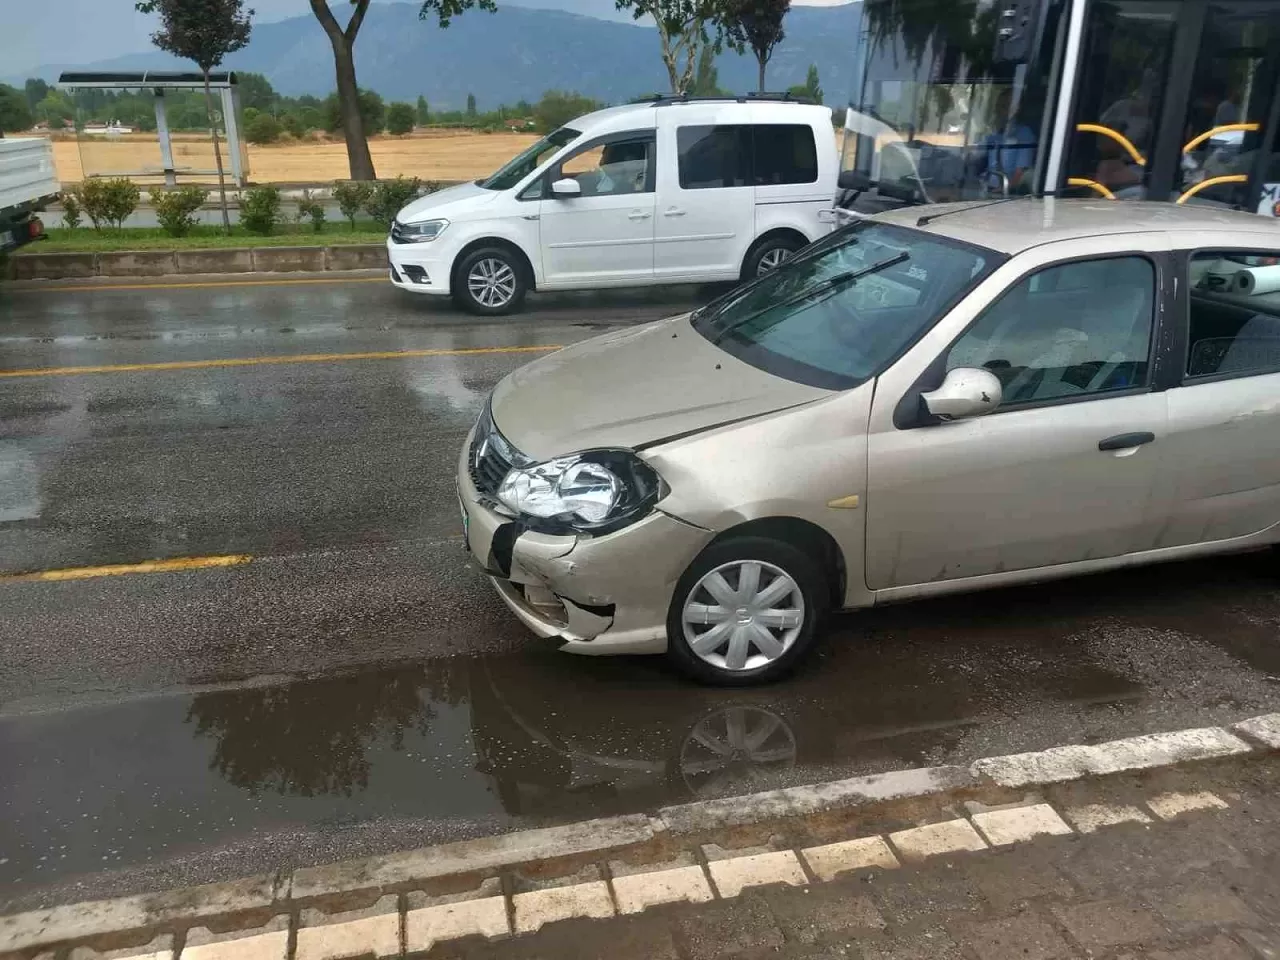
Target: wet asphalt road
(356,688)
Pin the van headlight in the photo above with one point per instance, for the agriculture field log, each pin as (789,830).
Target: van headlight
(423,232)
(598,491)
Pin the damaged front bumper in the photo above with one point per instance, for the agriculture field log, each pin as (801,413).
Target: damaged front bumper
(599,594)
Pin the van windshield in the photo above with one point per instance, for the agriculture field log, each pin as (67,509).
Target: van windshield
(847,306)
(528,160)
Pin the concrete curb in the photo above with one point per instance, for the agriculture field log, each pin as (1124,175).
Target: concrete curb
(576,847)
(170,263)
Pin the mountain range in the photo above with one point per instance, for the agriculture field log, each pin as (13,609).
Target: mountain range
(516,53)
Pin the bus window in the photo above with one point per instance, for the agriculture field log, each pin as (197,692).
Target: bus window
(939,115)
(1234,83)
(1123,75)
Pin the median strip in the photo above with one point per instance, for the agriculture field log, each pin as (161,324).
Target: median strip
(269,361)
(122,569)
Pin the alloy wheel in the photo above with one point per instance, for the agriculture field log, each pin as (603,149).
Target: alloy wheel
(772,259)
(492,282)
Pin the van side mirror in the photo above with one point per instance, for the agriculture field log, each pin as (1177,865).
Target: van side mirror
(965,392)
(565,188)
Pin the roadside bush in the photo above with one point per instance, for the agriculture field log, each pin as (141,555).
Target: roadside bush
(389,196)
(400,118)
(264,129)
(175,209)
(310,208)
(351,196)
(293,125)
(108,201)
(72,215)
(260,209)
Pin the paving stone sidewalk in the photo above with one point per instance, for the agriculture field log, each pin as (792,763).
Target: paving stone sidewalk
(1198,880)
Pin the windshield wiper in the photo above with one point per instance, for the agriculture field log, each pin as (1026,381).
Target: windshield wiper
(846,278)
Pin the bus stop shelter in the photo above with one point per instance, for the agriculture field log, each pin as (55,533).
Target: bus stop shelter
(157,84)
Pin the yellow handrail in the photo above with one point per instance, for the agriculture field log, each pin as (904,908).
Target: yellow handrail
(1214,131)
(1117,136)
(1094,184)
(1211,182)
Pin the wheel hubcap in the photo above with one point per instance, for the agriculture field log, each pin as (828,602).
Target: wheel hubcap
(743,615)
(773,259)
(492,282)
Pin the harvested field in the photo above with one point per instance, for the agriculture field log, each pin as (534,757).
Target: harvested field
(431,155)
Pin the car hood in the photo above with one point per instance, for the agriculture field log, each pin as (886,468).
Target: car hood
(632,388)
(446,203)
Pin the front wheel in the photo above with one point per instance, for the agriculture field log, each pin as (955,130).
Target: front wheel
(746,611)
(490,281)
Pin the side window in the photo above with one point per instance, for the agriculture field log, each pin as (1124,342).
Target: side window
(1234,314)
(609,169)
(784,153)
(1078,328)
(714,157)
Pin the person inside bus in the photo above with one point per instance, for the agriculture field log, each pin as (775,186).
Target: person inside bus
(1132,115)
(1010,149)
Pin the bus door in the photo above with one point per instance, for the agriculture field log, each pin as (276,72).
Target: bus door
(1177,100)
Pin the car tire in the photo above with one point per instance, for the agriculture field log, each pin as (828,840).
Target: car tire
(696,613)
(768,254)
(490,281)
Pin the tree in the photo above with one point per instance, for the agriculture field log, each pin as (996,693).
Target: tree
(204,31)
(809,90)
(471,104)
(36,90)
(55,108)
(15,114)
(400,118)
(264,128)
(706,82)
(556,108)
(756,24)
(350,112)
(256,91)
(423,112)
(372,111)
(684,28)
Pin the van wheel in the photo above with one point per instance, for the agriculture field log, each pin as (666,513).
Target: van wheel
(490,281)
(768,254)
(746,611)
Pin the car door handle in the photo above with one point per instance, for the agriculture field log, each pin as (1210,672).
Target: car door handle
(1123,441)
(638,215)
(673,212)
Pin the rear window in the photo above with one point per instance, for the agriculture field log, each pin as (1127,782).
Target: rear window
(739,155)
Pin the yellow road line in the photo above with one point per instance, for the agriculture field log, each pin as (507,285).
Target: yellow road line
(199,284)
(121,569)
(267,361)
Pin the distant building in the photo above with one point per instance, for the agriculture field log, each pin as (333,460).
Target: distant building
(111,128)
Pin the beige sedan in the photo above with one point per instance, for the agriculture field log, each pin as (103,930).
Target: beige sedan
(935,400)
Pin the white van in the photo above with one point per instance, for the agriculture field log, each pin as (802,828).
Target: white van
(664,191)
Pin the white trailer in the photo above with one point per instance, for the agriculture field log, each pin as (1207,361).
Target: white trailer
(28,184)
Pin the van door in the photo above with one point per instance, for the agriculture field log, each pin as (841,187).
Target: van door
(706,202)
(604,235)
(791,187)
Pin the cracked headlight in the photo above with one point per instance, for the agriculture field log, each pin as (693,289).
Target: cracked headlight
(599,490)
(420,232)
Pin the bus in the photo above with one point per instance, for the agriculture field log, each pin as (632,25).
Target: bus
(1172,100)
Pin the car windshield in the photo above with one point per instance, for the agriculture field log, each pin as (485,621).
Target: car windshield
(528,161)
(844,308)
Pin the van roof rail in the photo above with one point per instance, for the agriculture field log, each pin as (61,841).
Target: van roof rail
(666,99)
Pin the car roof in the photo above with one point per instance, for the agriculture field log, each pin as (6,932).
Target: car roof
(637,116)
(1012,226)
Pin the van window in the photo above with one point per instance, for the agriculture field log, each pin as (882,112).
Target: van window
(714,157)
(737,155)
(784,153)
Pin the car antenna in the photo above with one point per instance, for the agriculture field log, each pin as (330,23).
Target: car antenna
(929,218)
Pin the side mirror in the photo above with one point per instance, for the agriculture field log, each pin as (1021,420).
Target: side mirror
(565,188)
(966,392)
(854,180)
